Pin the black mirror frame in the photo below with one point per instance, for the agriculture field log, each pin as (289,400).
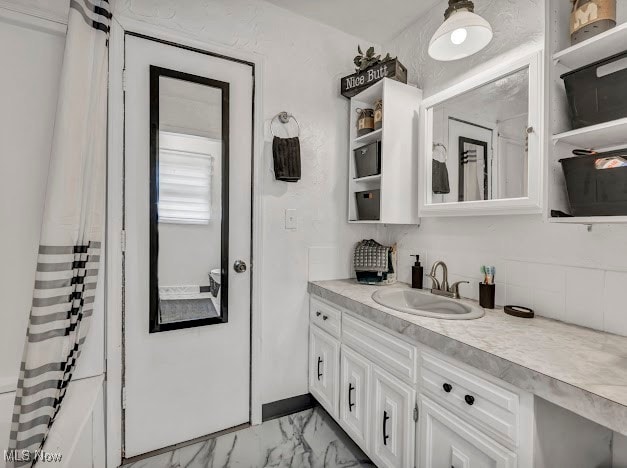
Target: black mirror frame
(460,150)
(154,325)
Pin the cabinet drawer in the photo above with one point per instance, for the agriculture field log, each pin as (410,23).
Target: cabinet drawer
(490,407)
(325,316)
(445,440)
(394,355)
(324,360)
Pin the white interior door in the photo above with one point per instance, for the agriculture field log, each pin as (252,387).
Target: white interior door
(188,143)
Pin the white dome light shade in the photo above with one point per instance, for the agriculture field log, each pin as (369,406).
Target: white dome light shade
(460,36)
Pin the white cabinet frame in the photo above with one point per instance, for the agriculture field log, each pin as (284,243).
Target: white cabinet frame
(524,205)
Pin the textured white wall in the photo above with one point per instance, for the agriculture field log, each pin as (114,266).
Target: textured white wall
(303,63)
(517,24)
(564,272)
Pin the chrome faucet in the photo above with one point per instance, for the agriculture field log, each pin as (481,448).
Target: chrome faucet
(442,288)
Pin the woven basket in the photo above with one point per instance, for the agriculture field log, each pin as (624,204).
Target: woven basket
(592,17)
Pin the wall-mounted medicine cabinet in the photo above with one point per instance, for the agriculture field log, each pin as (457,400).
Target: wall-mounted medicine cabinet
(383,168)
(482,146)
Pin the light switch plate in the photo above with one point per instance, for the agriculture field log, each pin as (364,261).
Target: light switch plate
(291,221)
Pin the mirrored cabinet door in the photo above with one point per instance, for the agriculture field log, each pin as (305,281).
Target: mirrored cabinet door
(483,148)
(480,140)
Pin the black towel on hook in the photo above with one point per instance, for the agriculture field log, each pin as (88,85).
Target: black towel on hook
(286,154)
(439,177)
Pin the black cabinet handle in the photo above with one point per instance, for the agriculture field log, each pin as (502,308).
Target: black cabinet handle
(447,387)
(385,428)
(318,314)
(319,373)
(470,399)
(351,388)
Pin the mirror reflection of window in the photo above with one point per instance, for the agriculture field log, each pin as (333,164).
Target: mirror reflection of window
(189,201)
(484,132)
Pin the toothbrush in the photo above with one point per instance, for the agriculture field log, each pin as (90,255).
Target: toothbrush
(484,272)
(488,272)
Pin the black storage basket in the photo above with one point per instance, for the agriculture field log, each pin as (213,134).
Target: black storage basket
(597,93)
(368,160)
(369,205)
(596,192)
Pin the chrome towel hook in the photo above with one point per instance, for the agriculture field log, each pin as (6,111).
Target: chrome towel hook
(284,118)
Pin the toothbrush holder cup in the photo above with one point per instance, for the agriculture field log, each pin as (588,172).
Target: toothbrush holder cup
(486,295)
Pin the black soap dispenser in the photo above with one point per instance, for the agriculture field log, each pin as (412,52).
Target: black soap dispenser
(416,274)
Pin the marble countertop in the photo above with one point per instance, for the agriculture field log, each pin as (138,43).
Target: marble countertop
(580,369)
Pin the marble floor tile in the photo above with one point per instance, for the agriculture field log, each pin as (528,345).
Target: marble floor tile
(310,439)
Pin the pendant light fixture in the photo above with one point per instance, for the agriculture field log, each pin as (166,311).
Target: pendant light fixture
(462,34)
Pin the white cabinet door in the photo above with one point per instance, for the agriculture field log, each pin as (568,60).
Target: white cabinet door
(354,396)
(447,441)
(391,421)
(324,359)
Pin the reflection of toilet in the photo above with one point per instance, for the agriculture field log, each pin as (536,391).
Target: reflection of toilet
(215,277)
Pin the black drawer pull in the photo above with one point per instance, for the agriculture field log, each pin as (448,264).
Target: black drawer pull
(470,399)
(318,314)
(319,373)
(351,388)
(325,317)
(385,428)
(447,387)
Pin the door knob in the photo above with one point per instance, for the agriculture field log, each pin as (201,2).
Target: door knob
(239,266)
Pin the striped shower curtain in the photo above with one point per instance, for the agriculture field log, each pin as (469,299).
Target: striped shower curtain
(72,233)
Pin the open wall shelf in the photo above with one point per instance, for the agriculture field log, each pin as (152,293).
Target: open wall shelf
(369,138)
(596,48)
(560,58)
(372,178)
(398,181)
(604,135)
(588,220)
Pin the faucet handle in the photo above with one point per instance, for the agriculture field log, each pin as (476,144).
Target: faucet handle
(435,283)
(455,288)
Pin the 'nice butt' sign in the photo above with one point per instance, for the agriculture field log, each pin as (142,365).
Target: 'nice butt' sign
(357,82)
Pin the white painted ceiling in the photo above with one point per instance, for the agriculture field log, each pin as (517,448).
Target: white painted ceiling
(374,20)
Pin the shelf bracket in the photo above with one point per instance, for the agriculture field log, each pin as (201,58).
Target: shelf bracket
(589,227)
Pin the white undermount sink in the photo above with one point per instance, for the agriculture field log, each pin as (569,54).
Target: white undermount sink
(418,302)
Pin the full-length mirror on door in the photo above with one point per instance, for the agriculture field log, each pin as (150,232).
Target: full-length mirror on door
(189,153)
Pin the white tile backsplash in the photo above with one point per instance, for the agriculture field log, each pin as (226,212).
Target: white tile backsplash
(584,297)
(326,263)
(615,302)
(518,295)
(588,297)
(519,274)
(549,304)
(547,277)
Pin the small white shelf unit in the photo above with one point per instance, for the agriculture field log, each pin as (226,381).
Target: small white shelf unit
(561,57)
(398,181)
